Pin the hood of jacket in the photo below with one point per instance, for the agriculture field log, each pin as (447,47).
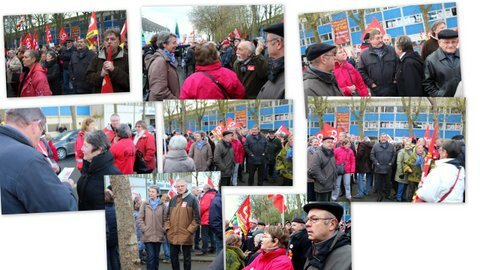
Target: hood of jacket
(310,74)
(177,155)
(413,56)
(214,66)
(13,133)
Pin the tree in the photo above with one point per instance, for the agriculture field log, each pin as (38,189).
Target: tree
(168,111)
(321,106)
(411,112)
(358,18)
(359,116)
(200,106)
(461,105)
(254,110)
(425,9)
(222,105)
(127,237)
(73,112)
(312,21)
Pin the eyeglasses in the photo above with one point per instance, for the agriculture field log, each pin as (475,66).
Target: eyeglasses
(329,55)
(315,220)
(267,41)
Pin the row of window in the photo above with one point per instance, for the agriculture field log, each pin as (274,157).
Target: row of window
(384,109)
(375,125)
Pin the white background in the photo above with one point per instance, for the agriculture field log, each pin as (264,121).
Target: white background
(385,236)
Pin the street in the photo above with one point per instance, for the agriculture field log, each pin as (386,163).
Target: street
(70,162)
(372,196)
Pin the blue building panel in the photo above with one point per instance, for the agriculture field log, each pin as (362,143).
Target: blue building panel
(436,7)
(330,42)
(414,29)
(371,117)
(264,111)
(354,130)
(370,133)
(329,117)
(389,131)
(356,38)
(313,131)
(343,109)
(250,123)
(449,5)
(339,16)
(241,108)
(351,22)
(456,118)
(401,133)
(401,117)
(395,32)
(266,126)
(370,17)
(49,111)
(422,117)
(392,14)
(387,117)
(450,133)
(411,10)
(278,124)
(83,110)
(323,29)
(452,22)
(303,49)
(65,111)
(282,109)
(230,115)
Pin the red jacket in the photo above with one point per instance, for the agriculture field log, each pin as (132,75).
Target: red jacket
(273,260)
(36,82)
(54,150)
(347,75)
(345,156)
(238,150)
(205,202)
(110,134)
(199,86)
(189,145)
(146,145)
(78,149)
(124,154)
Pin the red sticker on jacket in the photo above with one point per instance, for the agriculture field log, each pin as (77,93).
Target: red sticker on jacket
(250,68)
(184,204)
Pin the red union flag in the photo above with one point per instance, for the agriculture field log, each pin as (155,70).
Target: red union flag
(374,24)
(48,34)
(63,35)
(283,129)
(427,163)
(173,191)
(123,34)
(426,135)
(236,33)
(341,32)
(210,182)
(278,202)
(328,131)
(231,123)
(218,130)
(35,41)
(242,216)
(107,86)
(92,31)
(28,41)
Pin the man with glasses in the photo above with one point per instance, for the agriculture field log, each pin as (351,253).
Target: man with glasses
(318,79)
(28,183)
(378,65)
(331,248)
(323,170)
(274,88)
(442,67)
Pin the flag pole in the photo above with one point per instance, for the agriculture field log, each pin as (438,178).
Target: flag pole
(283,209)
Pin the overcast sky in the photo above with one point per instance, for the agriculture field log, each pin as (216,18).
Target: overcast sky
(168,16)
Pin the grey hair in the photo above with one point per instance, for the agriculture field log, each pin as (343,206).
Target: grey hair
(34,54)
(98,140)
(366,139)
(123,131)
(25,117)
(156,188)
(164,38)
(177,142)
(258,238)
(404,43)
(249,46)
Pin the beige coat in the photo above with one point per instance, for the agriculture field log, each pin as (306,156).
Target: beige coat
(151,223)
(13,66)
(163,80)
(202,158)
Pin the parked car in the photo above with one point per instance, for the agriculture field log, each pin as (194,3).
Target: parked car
(65,143)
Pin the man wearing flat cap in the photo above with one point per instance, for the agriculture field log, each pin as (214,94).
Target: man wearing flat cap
(65,56)
(274,88)
(274,146)
(255,147)
(299,244)
(442,67)
(318,79)
(378,65)
(224,158)
(323,170)
(331,249)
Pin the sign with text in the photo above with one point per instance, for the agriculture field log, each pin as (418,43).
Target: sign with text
(341,31)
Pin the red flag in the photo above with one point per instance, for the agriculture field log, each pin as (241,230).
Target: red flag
(28,41)
(283,129)
(374,24)
(218,130)
(242,216)
(63,35)
(107,86)
(231,123)
(48,34)
(20,23)
(173,191)
(236,33)
(92,31)
(189,131)
(426,135)
(210,182)
(328,131)
(123,34)
(35,41)
(428,161)
(278,202)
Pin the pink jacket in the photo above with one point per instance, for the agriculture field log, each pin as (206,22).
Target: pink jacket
(199,86)
(36,83)
(238,150)
(273,260)
(346,156)
(347,75)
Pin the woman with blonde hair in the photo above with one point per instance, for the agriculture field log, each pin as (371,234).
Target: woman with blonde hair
(234,256)
(88,125)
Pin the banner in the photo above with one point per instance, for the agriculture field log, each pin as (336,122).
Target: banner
(342,121)
(173,191)
(62,35)
(107,86)
(341,31)
(283,130)
(241,118)
(218,130)
(236,33)
(327,131)
(92,31)
(374,24)
(242,216)
(48,34)
(28,41)
(35,41)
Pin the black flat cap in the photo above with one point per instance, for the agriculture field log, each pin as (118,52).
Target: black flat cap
(318,49)
(276,29)
(447,34)
(225,133)
(261,223)
(328,138)
(334,208)
(298,220)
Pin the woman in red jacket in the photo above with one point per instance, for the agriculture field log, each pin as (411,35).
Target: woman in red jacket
(88,125)
(273,253)
(348,78)
(33,82)
(123,150)
(211,80)
(237,145)
(145,143)
(344,155)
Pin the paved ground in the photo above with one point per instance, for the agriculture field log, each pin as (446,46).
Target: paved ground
(70,162)
(372,197)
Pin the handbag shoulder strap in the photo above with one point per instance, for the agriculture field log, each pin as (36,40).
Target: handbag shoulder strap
(217,83)
(451,189)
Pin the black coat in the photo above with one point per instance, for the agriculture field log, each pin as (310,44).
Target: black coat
(90,186)
(54,77)
(66,55)
(363,162)
(255,148)
(299,244)
(410,75)
(78,71)
(380,71)
(111,220)
(253,74)
(273,148)
(215,219)
(383,157)
(441,75)
(119,76)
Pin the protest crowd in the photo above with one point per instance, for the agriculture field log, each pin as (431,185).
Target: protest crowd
(235,68)
(81,65)
(427,169)
(385,69)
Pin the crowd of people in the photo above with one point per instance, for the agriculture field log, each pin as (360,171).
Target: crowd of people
(68,68)
(383,69)
(176,224)
(270,156)
(392,170)
(111,151)
(232,69)
(317,242)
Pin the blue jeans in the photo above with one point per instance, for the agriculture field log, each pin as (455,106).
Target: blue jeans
(361,190)
(166,248)
(400,191)
(218,244)
(368,183)
(235,174)
(153,255)
(66,82)
(346,183)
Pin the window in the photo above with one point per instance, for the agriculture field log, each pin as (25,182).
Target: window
(435,15)
(393,23)
(310,40)
(454,126)
(266,119)
(387,109)
(455,110)
(302,42)
(314,124)
(372,109)
(281,117)
(451,12)
(370,125)
(387,124)
(324,20)
(326,37)
(282,102)
(401,125)
(371,10)
(413,19)
(399,109)
(355,29)
(205,123)
(387,8)
(265,104)
(330,110)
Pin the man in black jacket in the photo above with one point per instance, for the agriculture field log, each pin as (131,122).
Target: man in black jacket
(251,69)
(323,170)
(65,56)
(274,146)
(377,66)
(382,156)
(299,244)
(255,147)
(79,62)
(442,67)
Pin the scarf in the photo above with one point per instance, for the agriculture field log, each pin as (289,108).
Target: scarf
(320,251)
(138,136)
(419,161)
(227,144)
(290,153)
(328,77)
(200,145)
(378,51)
(170,56)
(154,203)
(312,149)
(276,66)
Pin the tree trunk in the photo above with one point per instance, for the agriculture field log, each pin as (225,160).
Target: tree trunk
(312,22)
(425,9)
(127,237)
(360,20)
(73,112)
